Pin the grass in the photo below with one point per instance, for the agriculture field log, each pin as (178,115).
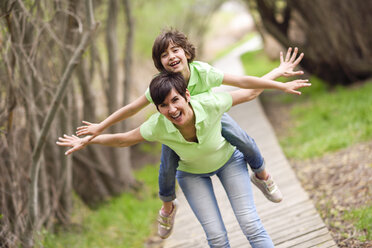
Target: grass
(124,221)
(330,121)
(324,120)
(363,221)
(256,63)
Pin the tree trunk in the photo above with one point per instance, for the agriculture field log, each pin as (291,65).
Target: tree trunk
(334,35)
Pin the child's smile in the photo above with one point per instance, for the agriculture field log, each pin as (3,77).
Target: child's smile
(174,59)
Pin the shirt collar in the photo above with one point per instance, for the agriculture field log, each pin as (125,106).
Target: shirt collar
(193,76)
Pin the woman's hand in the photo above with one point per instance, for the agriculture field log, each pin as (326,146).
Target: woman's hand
(72,141)
(293,86)
(287,65)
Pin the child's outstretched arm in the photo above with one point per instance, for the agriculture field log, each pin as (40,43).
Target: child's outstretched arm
(116,140)
(287,65)
(286,68)
(129,110)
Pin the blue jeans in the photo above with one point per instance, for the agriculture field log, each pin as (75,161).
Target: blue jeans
(232,133)
(198,190)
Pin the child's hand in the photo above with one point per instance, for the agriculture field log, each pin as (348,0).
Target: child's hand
(292,86)
(286,67)
(92,129)
(72,141)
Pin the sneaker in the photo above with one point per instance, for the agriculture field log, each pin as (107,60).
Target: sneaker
(165,223)
(268,188)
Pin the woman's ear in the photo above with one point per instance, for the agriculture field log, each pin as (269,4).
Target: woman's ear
(188,96)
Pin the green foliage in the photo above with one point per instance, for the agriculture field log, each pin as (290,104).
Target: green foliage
(124,221)
(362,219)
(329,121)
(152,16)
(325,120)
(150,148)
(256,63)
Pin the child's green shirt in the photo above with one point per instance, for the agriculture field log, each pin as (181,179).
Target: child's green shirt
(203,77)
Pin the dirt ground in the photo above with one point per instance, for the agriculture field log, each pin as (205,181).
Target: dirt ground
(336,182)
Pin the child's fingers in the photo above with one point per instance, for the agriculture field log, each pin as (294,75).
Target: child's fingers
(288,54)
(86,123)
(81,132)
(298,60)
(63,144)
(294,55)
(296,73)
(281,57)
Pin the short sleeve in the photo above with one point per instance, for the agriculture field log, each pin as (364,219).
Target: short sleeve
(147,130)
(203,77)
(223,101)
(148,95)
(215,77)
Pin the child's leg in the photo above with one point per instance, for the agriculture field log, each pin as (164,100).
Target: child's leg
(236,136)
(167,190)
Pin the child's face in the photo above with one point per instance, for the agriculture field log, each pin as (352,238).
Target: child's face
(176,108)
(174,59)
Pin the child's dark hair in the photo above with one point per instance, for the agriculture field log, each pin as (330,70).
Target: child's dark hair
(161,43)
(163,83)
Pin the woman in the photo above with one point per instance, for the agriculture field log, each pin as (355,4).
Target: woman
(191,126)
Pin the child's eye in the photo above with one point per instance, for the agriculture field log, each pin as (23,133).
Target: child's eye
(163,55)
(175,99)
(162,105)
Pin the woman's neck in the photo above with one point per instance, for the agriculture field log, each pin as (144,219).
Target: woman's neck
(188,130)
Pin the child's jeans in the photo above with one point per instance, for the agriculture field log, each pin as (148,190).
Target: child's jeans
(198,190)
(232,133)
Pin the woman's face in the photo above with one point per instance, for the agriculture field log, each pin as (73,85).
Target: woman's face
(176,108)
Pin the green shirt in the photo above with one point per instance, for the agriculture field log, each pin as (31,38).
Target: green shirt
(212,150)
(203,77)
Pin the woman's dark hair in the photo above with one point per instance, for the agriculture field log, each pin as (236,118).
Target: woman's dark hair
(161,43)
(163,83)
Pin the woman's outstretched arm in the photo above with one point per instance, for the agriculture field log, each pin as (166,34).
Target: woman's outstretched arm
(116,140)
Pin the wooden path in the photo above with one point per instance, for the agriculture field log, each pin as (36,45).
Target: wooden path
(292,223)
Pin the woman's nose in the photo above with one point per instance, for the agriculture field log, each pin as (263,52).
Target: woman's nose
(172,109)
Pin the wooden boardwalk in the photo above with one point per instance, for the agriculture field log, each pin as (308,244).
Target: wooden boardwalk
(292,223)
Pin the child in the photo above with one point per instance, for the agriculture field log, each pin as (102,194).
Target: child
(172,52)
(192,127)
